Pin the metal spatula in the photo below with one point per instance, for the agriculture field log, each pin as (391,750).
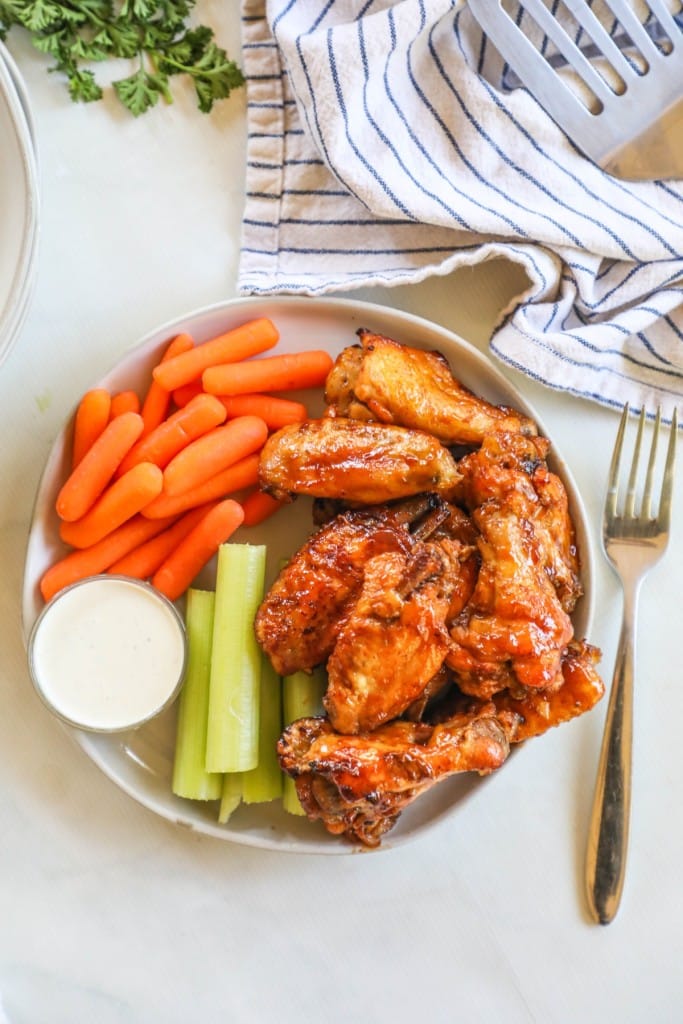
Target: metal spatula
(619,95)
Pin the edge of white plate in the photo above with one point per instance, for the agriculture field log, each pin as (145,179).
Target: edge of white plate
(398,321)
(13,91)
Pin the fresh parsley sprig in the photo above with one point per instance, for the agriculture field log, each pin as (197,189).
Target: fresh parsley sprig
(154,33)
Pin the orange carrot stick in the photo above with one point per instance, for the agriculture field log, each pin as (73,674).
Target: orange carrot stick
(181,396)
(124,401)
(92,416)
(119,503)
(276,373)
(92,474)
(143,561)
(213,452)
(96,559)
(201,544)
(243,474)
(259,506)
(157,400)
(247,340)
(275,412)
(199,416)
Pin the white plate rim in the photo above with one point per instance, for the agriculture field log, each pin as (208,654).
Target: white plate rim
(377,316)
(15,99)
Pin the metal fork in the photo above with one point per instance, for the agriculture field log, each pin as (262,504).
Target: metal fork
(633,540)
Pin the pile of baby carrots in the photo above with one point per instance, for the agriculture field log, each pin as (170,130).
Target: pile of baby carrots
(149,489)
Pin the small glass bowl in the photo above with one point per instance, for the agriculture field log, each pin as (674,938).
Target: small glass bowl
(108,653)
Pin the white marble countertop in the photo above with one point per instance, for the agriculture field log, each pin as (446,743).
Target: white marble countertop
(110,914)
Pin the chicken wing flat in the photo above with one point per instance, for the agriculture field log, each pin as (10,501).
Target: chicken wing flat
(392,383)
(359,785)
(512,470)
(299,620)
(514,629)
(394,640)
(366,463)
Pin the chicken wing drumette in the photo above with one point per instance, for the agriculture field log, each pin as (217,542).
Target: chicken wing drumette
(358,785)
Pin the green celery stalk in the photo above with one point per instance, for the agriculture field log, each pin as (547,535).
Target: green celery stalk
(190,778)
(264,782)
(233,727)
(231,795)
(302,695)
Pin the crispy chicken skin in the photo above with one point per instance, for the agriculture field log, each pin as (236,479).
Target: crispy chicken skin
(512,470)
(392,383)
(395,639)
(514,629)
(536,711)
(368,463)
(299,620)
(358,785)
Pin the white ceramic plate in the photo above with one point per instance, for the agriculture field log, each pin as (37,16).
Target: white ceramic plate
(18,204)
(140,762)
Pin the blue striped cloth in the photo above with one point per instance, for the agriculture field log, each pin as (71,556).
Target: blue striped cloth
(386,143)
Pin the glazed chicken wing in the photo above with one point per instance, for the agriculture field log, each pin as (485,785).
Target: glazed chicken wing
(302,613)
(392,383)
(394,640)
(358,785)
(535,711)
(511,469)
(366,463)
(514,629)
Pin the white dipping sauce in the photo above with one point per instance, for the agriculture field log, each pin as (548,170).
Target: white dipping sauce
(108,653)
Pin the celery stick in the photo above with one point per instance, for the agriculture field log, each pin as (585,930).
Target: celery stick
(231,795)
(264,783)
(302,696)
(232,738)
(190,778)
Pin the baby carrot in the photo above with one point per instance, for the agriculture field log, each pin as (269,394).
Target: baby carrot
(213,452)
(120,502)
(143,561)
(276,373)
(198,547)
(181,396)
(259,506)
(91,561)
(92,474)
(157,400)
(275,412)
(199,416)
(124,401)
(247,340)
(243,474)
(92,416)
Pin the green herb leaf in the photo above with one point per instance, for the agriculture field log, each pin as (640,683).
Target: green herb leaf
(155,33)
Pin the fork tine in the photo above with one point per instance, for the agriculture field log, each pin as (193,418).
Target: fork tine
(613,483)
(646,508)
(629,510)
(664,517)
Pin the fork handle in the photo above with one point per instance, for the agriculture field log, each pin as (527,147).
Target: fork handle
(609,824)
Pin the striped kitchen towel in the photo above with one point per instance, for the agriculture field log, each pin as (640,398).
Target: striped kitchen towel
(387,142)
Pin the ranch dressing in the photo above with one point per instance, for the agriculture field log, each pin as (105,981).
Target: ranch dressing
(108,653)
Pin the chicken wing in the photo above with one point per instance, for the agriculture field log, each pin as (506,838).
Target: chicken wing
(529,712)
(393,642)
(512,470)
(392,383)
(359,785)
(302,613)
(367,463)
(514,629)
